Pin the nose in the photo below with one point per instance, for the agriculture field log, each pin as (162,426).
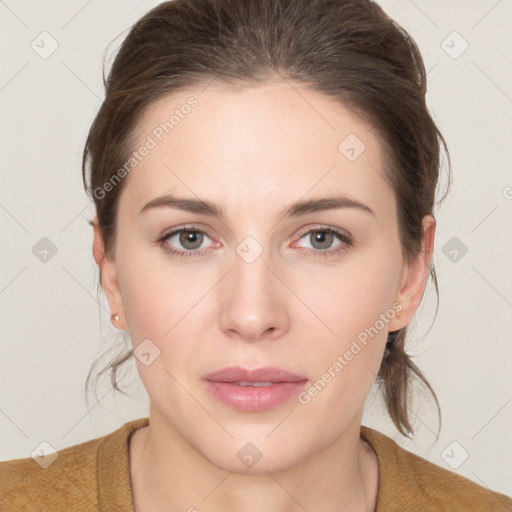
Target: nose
(253,299)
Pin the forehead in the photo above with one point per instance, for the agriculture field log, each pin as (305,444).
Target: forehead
(267,144)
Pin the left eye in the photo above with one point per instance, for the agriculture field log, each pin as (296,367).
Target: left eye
(322,239)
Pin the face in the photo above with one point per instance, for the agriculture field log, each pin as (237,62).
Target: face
(269,276)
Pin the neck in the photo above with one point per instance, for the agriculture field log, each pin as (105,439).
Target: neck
(168,471)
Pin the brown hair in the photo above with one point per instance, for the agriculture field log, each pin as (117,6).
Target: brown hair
(349,50)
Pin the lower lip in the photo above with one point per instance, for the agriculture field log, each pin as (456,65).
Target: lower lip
(252,398)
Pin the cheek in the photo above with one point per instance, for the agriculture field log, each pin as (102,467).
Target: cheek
(356,303)
(346,363)
(156,295)
(354,296)
(162,305)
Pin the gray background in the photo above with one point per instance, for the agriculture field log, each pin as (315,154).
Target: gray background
(52,326)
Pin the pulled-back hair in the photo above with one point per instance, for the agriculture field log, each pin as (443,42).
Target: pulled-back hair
(349,50)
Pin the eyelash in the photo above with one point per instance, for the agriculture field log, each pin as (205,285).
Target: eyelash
(344,238)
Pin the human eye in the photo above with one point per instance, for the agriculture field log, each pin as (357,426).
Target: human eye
(189,237)
(323,238)
(192,239)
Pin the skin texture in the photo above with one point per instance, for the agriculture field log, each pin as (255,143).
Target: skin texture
(255,151)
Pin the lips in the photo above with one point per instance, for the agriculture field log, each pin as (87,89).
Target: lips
(238,374)
(253,390)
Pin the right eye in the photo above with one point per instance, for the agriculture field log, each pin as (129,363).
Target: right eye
(191,239)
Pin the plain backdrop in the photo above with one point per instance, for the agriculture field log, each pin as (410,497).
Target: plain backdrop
(52,326)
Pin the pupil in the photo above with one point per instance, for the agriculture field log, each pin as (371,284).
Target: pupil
(322,237)
(192,237)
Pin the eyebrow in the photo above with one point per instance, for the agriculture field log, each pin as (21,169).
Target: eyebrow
(302,207)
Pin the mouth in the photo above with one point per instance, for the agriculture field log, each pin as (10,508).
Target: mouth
(255,384)
(253,390)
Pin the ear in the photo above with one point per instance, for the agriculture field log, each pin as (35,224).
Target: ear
(414,277)
(108,277)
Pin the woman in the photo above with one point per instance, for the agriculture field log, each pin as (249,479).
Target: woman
(264,175)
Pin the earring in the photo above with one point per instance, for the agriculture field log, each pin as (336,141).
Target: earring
(114,316)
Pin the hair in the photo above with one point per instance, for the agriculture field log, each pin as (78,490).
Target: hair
(349,50)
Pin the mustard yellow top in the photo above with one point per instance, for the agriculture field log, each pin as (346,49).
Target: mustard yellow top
(94,476)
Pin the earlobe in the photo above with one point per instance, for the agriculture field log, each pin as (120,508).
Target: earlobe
(414,278)
(108,277)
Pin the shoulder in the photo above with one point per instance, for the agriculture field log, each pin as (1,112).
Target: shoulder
(54,481)
(410,482)
(83,477)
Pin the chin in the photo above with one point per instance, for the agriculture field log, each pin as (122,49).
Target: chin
(266,464)
(254,453)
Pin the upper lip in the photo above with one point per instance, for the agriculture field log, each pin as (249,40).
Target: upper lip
(266,374)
